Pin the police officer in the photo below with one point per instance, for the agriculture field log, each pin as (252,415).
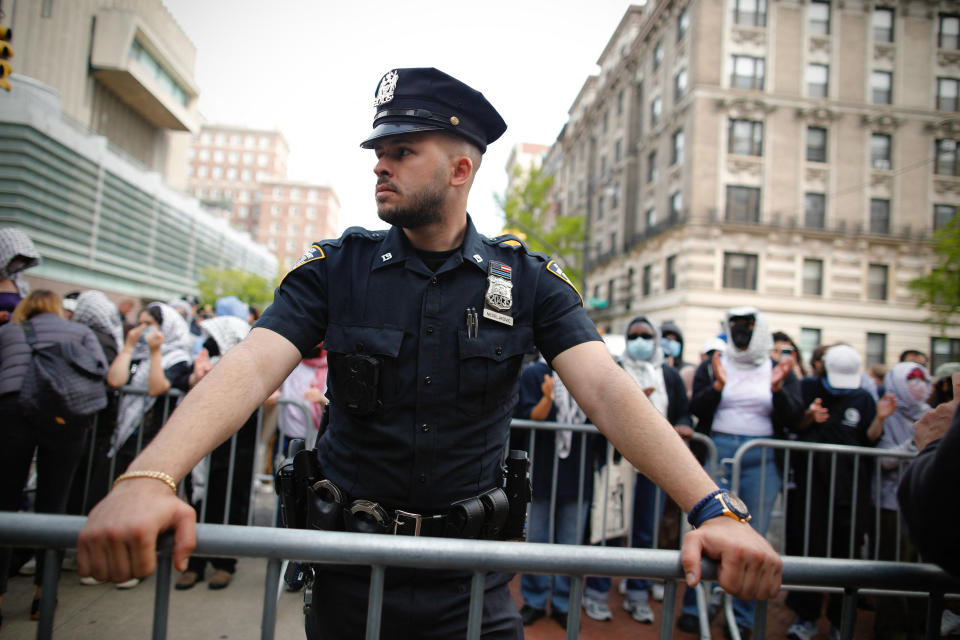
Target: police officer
(426,325)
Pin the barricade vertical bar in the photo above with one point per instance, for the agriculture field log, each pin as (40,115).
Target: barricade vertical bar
(831,502)
(702,613)
(806,505)
(606,496)
(48,599)
(877,505)
(554,481)
(848,616)
(475,618)
(581,481)
(268,622)
(854,503)
(161,594)
(934,614)
(375,601)
(89,472)
(762,517)
(231,468)
(760,620)
(785,492)
(208,459)
(257,464)
(573,609)
(666,613)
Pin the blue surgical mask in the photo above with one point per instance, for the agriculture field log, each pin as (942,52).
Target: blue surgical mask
(671,347)
(640,348)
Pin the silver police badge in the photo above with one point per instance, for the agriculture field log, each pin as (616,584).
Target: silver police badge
(388,84)
(499,296)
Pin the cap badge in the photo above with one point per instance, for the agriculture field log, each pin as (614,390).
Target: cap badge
(388,84)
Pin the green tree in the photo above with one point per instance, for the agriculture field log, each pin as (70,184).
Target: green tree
(249,287)
(939,290)
(525,205)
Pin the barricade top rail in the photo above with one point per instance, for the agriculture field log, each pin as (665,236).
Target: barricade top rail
(24,529)
(820,447)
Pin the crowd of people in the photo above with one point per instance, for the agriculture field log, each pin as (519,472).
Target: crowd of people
(167,346)
(751,383)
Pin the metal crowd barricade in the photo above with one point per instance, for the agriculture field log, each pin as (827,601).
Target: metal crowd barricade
(472,556)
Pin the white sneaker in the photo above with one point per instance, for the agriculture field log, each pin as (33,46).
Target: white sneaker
(801,629)
(597,609)
(656,591)
(622,587)
(69,560)
(90,581)
(29,567)
(834,633)
(639,610)
(128,584)
(949,623)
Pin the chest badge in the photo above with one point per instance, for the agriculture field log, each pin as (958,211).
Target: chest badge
(499,297)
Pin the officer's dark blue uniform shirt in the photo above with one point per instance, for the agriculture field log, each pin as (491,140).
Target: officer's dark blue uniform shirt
(446,398)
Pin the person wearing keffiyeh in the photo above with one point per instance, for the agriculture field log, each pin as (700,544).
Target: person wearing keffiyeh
(208,483)
(17,254)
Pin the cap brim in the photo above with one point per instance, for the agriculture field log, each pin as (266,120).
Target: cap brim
(843,380)
(393,129)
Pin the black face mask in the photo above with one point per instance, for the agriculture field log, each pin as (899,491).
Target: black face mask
(741,336)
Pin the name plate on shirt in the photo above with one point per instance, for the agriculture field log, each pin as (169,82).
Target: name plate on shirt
(497,317)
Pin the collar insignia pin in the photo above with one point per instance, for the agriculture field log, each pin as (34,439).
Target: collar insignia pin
(386,257)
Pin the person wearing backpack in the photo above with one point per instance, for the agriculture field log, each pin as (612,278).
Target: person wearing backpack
(58,440)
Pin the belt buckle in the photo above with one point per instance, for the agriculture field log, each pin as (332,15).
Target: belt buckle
(397,522)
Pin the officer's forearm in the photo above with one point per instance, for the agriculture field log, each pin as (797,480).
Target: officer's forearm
(220,404)
(620,410)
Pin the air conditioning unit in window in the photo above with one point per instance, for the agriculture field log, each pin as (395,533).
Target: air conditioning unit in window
(883,165)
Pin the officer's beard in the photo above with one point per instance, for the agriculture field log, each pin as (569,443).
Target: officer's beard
(421,209)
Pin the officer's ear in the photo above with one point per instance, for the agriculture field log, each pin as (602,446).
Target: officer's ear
(462,173)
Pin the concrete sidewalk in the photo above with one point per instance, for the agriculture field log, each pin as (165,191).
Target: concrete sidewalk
(103,611)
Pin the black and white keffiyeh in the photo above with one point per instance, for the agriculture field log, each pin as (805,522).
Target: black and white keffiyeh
(97,311)
(16,254)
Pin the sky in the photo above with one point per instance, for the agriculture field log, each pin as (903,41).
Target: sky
(310,69)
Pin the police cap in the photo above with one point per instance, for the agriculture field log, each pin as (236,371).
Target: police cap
(426,99)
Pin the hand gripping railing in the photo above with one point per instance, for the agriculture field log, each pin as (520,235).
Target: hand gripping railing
(477,557)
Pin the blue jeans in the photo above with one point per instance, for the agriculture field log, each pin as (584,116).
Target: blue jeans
(644,520)
(536,587)
(758,467)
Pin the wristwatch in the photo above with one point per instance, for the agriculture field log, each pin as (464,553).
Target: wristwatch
(718,503)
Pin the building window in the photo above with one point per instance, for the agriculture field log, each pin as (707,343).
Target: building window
(948,36)
(816,144)
(745,137)
(651,217)
(676,205)
(679,85)
(879,216)
(618,151)
(189,170)
(818,18)
(881,83)
(746,72)
(818,79)
(231,174)
(740,271)
(292,212)
(202,171)
(611,290)
(814,210)
(243,211)
(645,280)
(883,24)
(945,157)
(880,151)
(651,167)
(606,120)
(809,340)
(677,156)
(743,204)
(944,350)
(600,208)
(615,196)
(877,282)
(657,55)
(812,277)
(943,214)
(947,92)
(670,275)
(620,103)
(204,154)
(876,348)
(750,13)
(683,24)
(655,109)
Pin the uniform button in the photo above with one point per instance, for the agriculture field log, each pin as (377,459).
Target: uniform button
(422,479)
(429,330)
(435,281)
(427,380)
(425,428)
(499,351)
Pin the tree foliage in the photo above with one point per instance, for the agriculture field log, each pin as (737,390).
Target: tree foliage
(249,287)
(525,205)
(939,290)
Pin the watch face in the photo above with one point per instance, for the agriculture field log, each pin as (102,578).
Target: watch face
(736,505)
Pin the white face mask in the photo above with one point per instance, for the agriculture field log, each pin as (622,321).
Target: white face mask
(919,389)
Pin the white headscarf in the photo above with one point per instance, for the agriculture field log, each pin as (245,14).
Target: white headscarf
(761,342)
(176,348)
(648,373)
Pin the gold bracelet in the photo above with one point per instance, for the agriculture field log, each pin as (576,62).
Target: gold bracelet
(165,478)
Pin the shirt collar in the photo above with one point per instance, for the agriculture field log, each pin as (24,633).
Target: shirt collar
(396,249)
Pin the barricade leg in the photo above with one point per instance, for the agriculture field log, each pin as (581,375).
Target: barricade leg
(760,620)
(934,614)
(375,600)
(475,618)
(48,599)
(666,613)
(161,598)
(848,617)
(269,620)
(573,610)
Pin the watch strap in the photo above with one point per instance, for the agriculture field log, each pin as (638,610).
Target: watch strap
(696,516)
